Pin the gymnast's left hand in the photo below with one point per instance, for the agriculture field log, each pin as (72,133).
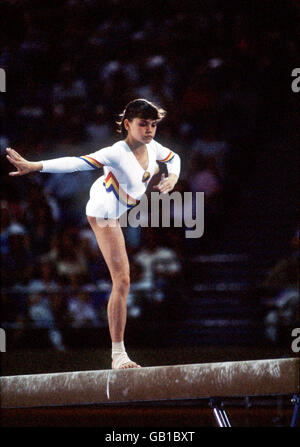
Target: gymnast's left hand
(166,184)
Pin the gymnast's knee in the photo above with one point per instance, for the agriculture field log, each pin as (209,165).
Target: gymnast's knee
(121,282)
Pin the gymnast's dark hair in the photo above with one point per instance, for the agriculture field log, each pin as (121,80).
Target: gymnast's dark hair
(139,108)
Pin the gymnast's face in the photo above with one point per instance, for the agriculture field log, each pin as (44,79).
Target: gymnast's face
(141,130)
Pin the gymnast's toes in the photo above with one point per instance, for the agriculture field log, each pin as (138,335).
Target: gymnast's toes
(128,365)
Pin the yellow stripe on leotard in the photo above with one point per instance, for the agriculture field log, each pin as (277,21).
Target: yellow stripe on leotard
(91,161)
(168,158)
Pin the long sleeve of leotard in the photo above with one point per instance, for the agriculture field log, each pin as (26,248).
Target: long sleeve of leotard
(169,157)
(104,157)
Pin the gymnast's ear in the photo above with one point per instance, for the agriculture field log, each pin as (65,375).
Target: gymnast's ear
(126,124)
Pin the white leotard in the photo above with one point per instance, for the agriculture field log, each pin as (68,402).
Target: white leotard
(123,183)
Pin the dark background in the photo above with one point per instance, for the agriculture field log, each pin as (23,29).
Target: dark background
(222,70)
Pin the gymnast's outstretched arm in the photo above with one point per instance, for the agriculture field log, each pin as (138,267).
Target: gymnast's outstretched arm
(95,160)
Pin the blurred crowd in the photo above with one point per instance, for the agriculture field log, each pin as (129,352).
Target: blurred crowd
(70,71)
(54,276)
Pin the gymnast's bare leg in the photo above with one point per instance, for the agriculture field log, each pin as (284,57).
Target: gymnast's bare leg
(112,245)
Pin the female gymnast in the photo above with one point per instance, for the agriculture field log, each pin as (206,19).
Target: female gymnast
(128,166)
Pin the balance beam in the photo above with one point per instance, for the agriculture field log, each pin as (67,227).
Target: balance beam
(162,383)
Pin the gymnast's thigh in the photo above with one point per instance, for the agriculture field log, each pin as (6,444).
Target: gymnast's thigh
(111,242)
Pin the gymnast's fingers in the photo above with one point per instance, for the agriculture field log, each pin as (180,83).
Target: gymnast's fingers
(165,187)
(160,184)
(14,154)
(10,159)
(15,173)
(15,163)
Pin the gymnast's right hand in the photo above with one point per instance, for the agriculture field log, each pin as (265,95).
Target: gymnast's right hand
(23,166)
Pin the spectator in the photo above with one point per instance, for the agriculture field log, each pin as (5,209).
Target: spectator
(97,129)
(69,259)
(205,178)
(45,278)
(5,223)
(153,256)
(38,219)
(17,264)
(283,283)
(81,310)
(42,317)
